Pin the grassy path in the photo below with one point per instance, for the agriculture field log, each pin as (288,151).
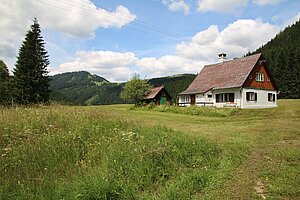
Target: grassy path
(272,139)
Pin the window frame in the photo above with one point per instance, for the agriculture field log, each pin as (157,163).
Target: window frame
(225,97)
(251,96)
(259,77)
(271,97)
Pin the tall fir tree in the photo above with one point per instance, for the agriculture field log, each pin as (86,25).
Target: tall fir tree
(4,84)
(31,80)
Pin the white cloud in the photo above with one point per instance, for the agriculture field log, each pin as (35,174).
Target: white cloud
(177,5)
(236,39)
(267,2)
(76,18)
(163,66)
(225,6)
(206,36)
(114,66)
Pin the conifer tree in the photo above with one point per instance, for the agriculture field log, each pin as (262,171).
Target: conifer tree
(4,84)
(31,80)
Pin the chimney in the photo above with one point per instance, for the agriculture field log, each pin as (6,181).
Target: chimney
(222,57)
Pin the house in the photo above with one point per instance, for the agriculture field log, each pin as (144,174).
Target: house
(245,83)
(159,96)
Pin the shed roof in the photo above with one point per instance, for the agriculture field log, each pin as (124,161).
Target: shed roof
(228,74)
(154,92)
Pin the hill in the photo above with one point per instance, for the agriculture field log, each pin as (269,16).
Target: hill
(83,88)
(283,58)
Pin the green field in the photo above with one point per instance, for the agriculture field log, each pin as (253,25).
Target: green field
(114,152)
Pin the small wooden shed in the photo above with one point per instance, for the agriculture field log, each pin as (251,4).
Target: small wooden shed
(159,96)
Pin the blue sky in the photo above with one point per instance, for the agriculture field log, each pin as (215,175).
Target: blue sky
(117,38)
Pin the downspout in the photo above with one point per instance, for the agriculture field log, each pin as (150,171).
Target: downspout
(241,97)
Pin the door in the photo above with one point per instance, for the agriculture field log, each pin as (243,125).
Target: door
(163,100)
(193,99)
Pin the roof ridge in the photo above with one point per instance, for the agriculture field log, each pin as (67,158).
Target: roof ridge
(233,60)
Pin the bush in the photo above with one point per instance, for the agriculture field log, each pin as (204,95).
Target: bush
(193,110)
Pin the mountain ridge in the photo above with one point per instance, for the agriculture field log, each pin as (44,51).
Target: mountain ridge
(84,88)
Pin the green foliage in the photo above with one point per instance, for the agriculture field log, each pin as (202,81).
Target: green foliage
(5,94)
(135,90)
(193,110)
(83,88)
(75,79)
(31,81)
(283,59)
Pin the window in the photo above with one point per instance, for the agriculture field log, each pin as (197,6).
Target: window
(271,97)
(209,96)
(251,96)
(250,77)
(259,77)
(225,97)
(186,99)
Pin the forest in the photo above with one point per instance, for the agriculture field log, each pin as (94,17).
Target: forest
(283,60)
(83,88)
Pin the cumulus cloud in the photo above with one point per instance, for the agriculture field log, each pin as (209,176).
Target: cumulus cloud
(225,6)
(76,18)
(164,66)
(236,39)
(267,2)
(115,66)
(231,6)
(177,5)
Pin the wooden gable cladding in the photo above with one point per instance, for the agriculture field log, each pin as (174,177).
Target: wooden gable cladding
(251,81)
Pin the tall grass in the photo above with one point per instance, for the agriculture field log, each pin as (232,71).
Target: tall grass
(192,110)
(76,153)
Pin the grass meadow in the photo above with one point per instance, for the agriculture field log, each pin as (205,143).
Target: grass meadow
(115,152)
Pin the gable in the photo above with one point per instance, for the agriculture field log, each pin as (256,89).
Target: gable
(252,82)
(157,92)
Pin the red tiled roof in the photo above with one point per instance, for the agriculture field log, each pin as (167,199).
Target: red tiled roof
(228,74)
(154,92)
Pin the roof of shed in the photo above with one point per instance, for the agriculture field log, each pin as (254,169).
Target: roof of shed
(228,74)
(154,92)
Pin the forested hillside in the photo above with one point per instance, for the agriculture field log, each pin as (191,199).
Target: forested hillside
(83,88)
(283,59)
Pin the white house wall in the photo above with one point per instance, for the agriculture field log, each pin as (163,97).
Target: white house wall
(202,99)
(182,100)
(262,99)
(237,97)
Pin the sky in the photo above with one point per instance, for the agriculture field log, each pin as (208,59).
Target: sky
(117,39)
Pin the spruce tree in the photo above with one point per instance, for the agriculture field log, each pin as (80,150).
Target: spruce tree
(31,78)
(4,84)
